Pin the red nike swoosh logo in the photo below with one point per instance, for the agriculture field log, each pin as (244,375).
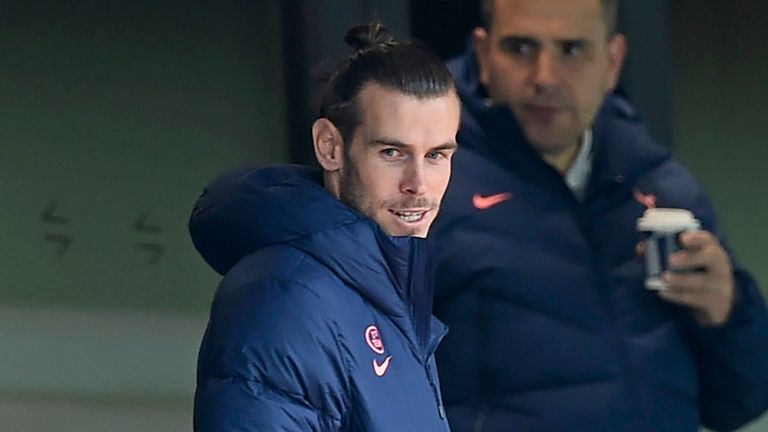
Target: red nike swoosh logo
(485,202)
(381,369)
(646,199)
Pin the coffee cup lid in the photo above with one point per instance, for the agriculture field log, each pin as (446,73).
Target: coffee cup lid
(667,219)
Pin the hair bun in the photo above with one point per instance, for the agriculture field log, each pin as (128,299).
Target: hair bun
(368,35)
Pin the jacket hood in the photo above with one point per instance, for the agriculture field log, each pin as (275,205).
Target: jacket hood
(495,132)
(244,211)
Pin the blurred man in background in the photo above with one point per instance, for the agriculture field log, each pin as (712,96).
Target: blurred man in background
(539,275)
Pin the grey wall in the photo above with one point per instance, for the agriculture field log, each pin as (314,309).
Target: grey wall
(113,116)
(720,107)
(647,73)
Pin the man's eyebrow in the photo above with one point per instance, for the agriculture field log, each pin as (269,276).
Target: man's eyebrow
(576,40)
(522,39)
(387,142)
(451,145)
(517,39)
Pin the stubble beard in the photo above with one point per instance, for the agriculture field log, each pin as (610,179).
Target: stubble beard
(350,192)
(354,195)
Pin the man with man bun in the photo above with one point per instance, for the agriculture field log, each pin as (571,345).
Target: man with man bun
(323,319)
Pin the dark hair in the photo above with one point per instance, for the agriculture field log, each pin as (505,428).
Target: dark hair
(408,67)
(610,10)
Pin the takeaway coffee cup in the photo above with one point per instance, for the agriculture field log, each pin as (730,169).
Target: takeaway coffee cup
(660,229)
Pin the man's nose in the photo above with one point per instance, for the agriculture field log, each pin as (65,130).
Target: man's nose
(546,70)
(414,181)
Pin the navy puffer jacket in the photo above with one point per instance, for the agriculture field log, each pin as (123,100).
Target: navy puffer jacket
(322,321)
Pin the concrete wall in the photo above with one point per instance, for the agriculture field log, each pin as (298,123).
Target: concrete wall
(720,107)
(113,116)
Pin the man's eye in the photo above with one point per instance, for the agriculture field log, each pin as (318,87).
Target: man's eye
(521,48)
(573,49)
(436,155)
(390,153)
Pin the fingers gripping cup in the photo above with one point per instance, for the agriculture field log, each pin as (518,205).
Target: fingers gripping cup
(660,229)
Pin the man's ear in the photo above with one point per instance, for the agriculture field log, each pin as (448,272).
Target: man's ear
(617,52)
(482,44)
(329,146)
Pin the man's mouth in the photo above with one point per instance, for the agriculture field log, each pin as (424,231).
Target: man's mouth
(410,216)
(543,110)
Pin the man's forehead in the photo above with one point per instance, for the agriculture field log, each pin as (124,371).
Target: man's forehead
(390,116)
(557,18)
(590,6)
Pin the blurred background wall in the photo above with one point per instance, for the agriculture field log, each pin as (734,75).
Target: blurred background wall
(114,115)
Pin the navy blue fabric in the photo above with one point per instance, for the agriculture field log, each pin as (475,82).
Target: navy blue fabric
(551,327)
(305,276)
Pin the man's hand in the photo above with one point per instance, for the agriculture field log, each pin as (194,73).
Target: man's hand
(709,290)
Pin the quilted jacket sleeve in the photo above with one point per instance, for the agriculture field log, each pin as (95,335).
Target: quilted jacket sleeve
(238,404)
(269,362)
